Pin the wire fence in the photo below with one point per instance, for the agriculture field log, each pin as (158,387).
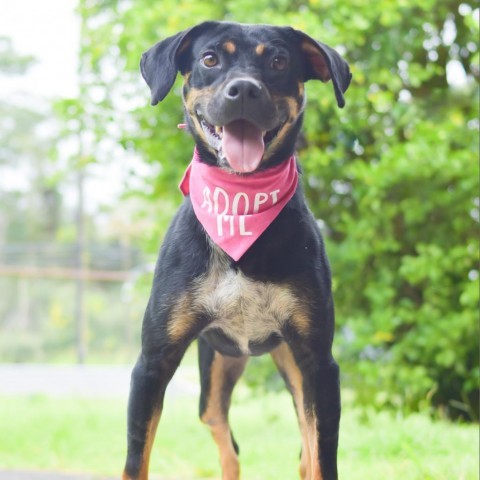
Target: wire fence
(95,257)
(52,304)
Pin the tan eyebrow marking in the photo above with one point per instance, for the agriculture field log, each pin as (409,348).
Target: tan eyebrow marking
(260,48)
(229,47)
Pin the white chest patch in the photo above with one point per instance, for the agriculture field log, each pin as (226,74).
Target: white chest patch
(244,309)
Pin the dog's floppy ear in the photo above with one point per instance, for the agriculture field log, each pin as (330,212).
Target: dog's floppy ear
(322,62)
(160,64)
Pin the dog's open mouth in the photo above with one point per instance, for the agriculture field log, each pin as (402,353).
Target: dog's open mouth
(240,142)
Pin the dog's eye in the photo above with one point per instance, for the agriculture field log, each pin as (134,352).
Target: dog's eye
(210,59)
(279,63)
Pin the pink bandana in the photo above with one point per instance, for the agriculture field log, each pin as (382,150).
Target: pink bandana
(234,209)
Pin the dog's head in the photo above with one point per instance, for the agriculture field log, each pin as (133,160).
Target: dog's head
(243,91)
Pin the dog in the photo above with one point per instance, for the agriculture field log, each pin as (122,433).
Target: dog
(242,268)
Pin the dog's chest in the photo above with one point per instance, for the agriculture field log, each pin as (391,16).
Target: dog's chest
(245,310)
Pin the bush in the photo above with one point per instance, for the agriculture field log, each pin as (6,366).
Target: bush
(407,278)
(395,180)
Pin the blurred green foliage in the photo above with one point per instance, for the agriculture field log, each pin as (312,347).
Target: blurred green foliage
(393,176)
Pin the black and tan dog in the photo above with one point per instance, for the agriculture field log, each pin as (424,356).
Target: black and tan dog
(244,99)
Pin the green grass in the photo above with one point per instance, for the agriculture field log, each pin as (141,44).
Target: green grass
(89,436)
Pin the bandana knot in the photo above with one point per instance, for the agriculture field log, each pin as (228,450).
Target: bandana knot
(236,209)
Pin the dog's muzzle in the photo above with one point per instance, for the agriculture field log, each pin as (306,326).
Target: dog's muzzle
(240,121)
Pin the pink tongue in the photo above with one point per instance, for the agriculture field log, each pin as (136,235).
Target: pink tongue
(242,144)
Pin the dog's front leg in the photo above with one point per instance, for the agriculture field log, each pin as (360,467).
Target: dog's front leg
(323,413)
(164,341)
(148,386)
(149,381)
(318,389)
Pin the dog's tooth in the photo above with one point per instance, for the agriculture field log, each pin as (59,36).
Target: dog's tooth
(218,129)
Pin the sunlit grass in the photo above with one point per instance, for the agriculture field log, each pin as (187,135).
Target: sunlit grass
(89,436)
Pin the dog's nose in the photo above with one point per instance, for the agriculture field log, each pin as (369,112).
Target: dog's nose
(243,90)
(243,98)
